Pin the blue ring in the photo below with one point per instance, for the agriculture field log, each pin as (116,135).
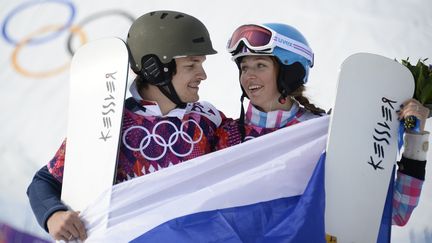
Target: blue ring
(25,5)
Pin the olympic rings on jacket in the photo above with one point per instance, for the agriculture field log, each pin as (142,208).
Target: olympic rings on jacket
(157,138)
(28,4)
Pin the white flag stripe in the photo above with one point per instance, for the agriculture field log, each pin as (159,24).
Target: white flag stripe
(270,167)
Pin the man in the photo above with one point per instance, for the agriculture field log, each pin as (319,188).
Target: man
(163,124)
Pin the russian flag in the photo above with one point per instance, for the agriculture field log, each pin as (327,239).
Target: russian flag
(269,189)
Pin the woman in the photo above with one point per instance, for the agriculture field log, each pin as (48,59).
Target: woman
(274,62)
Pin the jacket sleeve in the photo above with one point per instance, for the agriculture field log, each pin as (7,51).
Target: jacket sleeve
(44,195)
(44,192)
(410,177)
(406,197)
(227,134)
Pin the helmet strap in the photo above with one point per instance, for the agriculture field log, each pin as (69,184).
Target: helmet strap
(155,72)
(169,91)
(159,74)
(241,123)
(237,62)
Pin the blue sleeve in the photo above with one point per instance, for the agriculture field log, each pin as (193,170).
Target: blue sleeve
(44,194)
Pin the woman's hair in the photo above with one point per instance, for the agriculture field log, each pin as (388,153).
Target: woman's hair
(295,74)
(300,98)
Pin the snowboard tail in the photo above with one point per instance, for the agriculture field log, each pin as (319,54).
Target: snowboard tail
(363,144)
(98,81)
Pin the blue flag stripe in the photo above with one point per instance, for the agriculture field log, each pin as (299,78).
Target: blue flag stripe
(291,219)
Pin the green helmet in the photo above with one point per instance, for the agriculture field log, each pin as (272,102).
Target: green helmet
(167,34)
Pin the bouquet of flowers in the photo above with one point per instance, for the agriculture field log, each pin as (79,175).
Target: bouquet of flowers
(423,85)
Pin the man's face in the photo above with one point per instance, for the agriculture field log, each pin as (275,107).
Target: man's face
(188,77)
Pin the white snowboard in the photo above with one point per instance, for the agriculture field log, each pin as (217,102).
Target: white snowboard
(98,78)
(363,144)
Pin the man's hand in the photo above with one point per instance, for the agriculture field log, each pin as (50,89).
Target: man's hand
(66,225)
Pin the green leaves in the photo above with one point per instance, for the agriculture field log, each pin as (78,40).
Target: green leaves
(423,80)
(423,87)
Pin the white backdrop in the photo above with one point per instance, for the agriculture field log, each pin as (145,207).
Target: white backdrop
(36,46)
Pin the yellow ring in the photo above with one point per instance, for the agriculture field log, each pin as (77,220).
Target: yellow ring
(43,74)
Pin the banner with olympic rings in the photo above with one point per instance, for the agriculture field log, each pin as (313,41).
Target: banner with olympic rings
(65,28)
(39,37)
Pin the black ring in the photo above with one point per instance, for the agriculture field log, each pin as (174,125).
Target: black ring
(94,17)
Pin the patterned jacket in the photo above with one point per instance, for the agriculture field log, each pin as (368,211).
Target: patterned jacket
(150,141)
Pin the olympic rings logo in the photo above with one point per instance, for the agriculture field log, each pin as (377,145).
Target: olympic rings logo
(150,138)
(51,32)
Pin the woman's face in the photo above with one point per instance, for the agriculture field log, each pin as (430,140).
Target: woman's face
(258,79)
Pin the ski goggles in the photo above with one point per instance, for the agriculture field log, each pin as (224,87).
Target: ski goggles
(263,40)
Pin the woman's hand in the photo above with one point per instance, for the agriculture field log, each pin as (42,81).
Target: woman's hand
(412,107)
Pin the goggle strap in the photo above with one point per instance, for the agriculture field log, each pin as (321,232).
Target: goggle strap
(293,46)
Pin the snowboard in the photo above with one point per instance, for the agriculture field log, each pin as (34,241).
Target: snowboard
(363,144)
(98,80)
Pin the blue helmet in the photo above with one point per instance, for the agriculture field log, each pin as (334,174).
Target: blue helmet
(288,57)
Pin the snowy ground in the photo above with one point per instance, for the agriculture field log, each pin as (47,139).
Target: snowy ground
(34,95)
